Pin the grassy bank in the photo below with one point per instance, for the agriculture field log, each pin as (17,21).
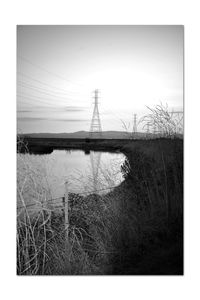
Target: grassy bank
(135,229)
(47,145)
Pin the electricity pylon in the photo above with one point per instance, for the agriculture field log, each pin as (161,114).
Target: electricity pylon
(95,128)
(147,129)
(134,131)
(135,124)
(178,116)
(154,128)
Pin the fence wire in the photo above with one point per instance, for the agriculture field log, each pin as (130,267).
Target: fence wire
(62,197)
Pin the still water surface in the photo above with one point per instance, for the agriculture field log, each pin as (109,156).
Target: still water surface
(43,176)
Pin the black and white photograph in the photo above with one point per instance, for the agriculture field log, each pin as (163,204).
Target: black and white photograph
(100,134)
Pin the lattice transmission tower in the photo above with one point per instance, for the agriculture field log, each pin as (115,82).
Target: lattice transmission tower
(95,128)
(135,124)
(147,129)
(178,118)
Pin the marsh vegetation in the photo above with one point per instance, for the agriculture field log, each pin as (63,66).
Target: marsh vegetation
(137,228)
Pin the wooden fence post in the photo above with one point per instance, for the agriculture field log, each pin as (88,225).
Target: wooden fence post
(66,211)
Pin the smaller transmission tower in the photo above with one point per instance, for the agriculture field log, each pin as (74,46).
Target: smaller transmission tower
(154,128)
(178,119)
(95,128)
(135,124)
(134,130)
(147,129)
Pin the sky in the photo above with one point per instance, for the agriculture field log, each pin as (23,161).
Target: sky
(59,67)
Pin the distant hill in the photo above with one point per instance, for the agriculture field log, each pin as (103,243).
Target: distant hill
(84,134)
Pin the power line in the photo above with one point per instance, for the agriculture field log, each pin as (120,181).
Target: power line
(49,98)
(38,99)
(63,91)
(43,89)
(47,71)
(44,101)
(43,92)
(40,90)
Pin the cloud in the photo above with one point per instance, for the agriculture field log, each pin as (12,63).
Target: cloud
(53,109)
(31,119)
(36,119)
(75,108)
(24,111)
(69,120)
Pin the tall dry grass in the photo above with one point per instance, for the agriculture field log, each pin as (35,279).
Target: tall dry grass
(41,236)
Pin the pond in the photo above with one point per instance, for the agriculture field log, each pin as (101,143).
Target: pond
(43,177)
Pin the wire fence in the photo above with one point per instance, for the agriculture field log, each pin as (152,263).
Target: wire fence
(62,197)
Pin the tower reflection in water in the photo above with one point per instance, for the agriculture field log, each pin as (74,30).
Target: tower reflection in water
(95,159)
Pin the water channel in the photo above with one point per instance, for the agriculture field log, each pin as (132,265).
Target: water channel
(43,176)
